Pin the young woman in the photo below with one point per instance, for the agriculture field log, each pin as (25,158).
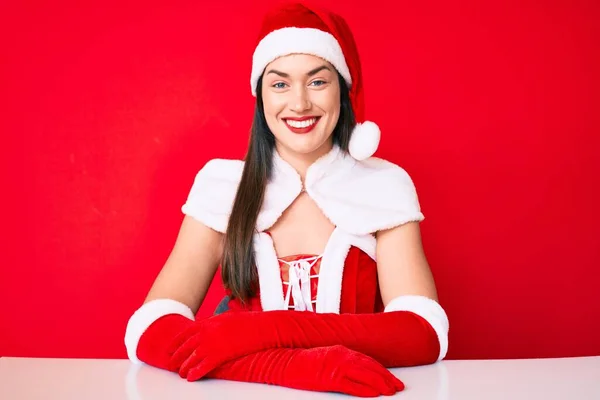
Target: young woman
(318,241)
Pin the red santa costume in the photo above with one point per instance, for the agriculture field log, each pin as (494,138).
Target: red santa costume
(344,323)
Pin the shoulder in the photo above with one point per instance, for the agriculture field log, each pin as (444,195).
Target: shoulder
(221,169)
(391,190)
(213,191)
(376,176)
(395,187)
(387,171)
(369,195)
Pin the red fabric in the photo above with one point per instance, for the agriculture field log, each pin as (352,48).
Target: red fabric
(330,369)
(360,286)
(296,15)
(395,339)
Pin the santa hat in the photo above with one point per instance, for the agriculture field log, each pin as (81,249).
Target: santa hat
(301,29)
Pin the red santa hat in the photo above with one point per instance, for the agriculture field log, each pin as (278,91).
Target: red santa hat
(300,29)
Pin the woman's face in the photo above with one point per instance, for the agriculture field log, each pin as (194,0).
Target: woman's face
(301,99)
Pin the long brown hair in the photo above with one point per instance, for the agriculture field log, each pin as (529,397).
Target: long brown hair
(238,266)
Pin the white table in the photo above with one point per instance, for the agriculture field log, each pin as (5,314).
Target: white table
(64,379)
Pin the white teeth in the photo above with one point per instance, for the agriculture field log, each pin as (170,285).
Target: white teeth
(301,124)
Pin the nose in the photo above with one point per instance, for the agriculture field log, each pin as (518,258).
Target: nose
(299,100)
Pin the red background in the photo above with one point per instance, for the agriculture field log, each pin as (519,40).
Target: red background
(108,114)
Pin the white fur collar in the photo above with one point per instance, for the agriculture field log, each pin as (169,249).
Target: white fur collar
(359,197)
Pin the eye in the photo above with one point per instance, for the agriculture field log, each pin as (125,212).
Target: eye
(318,82)
(279,85)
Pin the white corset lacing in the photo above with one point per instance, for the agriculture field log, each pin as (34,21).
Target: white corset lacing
(299,286)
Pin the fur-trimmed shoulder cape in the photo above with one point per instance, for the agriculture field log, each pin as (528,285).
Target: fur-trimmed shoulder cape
(358,197)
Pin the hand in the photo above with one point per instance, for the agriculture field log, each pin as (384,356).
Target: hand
(326,369)
(225,337)
(208,336)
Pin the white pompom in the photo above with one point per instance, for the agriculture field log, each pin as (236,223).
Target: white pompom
(364,140)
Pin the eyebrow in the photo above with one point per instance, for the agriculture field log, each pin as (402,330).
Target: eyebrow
(309,73)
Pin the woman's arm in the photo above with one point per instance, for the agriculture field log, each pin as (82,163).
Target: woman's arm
(191,266)
(167,315)
(402,267)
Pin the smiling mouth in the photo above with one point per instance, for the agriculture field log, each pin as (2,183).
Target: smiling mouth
(303,126)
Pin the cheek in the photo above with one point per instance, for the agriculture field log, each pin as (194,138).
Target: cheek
(330,103)
(272,104)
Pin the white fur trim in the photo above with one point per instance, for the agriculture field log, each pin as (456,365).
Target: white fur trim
(360,197)
(283,188)
(366,243)
(331,272)
(282,42)
(211,198)
(364,140)
(269,274)
(145,316)
(430,310)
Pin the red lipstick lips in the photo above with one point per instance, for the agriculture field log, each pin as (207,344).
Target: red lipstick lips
(301,125)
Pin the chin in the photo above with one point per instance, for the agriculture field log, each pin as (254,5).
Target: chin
(306,145)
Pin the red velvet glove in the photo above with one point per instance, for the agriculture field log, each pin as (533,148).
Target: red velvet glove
(395,338)
(325,369)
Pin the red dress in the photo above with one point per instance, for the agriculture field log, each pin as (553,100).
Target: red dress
(360,287)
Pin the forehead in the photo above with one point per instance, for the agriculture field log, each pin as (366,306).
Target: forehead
(297,63)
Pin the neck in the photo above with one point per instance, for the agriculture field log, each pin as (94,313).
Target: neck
(302,161)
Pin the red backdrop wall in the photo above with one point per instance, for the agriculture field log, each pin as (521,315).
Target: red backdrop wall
(108,113)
